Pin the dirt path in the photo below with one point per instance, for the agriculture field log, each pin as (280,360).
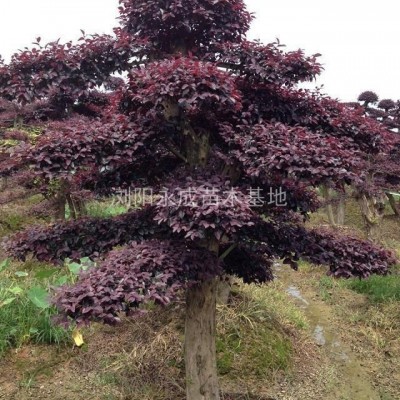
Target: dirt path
(349,378)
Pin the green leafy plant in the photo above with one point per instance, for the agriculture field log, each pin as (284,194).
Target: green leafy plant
(39,297)
(74,269)
(4,264)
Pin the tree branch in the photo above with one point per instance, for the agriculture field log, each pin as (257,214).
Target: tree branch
(175,151)
(228,251)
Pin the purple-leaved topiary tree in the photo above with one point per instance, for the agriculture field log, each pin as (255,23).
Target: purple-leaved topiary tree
(210,122)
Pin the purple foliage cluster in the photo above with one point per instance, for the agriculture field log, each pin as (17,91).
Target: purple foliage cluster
(150,271)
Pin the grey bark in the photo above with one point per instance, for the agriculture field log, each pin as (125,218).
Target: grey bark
(329,209)
(341,210)
(372,211)
(200,348)
(395,205)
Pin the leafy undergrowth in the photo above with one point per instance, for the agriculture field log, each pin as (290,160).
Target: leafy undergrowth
(26,315)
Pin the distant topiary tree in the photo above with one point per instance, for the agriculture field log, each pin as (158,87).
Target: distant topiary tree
(368,97)
(387,111)
(387,104)
(383,167)
(227,148)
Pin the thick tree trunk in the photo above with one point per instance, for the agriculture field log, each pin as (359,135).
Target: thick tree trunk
(200,349)
(329,209)
(60,203)
(72,211)
(341,210)
(18,123)
(336,215)
(80,207)
(61,200)
(372,212)
(76,206)
(395,205)
(224,289)
(200,329)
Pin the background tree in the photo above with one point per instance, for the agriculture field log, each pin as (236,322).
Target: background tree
(382,168)
(386,111)
(41,88)
(212,123)
(369,97)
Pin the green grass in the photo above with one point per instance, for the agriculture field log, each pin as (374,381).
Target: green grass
(377,288)
(253,335)
(326,286)
(21,321)
(13,222)
(103,209)
(26,315)
(260,353)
